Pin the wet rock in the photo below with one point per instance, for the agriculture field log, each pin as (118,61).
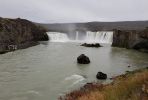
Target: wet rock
(128,66)
(91,45)
(82,59)
(2,52)
(101,75)
(127,71)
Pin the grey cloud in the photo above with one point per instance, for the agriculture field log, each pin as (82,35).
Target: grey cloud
(51,11)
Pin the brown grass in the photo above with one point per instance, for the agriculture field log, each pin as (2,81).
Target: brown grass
(132,86)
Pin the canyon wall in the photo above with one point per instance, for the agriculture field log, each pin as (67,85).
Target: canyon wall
(19,33)
(131,39)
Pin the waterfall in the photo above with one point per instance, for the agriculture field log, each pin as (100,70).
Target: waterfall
(58,37)
(99,37)
(104,37)
(90,37)
(77,36)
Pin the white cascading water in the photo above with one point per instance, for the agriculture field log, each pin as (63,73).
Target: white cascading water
(77,36)
(58,37)
(99,37)
(91,37)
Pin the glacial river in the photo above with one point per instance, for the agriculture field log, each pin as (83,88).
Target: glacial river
(47,71)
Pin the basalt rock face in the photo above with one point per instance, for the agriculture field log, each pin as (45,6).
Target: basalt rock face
(142,45)
(131,39)
(19,33)
(125,39)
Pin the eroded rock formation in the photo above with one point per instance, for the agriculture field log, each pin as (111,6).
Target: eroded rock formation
(131,39)
(19,33)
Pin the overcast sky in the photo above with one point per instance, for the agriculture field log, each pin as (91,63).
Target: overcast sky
(59,11)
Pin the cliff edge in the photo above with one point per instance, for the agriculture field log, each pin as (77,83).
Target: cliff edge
(19,33)
(131,39)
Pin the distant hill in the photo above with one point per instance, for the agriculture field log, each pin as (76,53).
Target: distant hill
(97,26)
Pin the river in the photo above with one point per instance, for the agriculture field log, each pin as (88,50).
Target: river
(49,70)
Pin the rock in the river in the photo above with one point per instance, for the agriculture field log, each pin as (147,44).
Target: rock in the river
(82,59)
(91,45)
(101,76)
(128,66)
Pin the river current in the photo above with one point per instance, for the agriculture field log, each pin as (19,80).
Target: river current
(49,70)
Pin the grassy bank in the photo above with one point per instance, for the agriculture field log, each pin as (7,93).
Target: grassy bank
(131,86)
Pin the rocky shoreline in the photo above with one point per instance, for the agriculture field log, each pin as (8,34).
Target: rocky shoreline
(19,34)
(125,86)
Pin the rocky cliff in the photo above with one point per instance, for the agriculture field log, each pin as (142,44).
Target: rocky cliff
(131,39)
(19,33)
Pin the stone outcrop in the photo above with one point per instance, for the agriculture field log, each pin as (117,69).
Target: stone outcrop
(82,59)
(125,39)
(101,76)
(131,39)
(96,45)
(19,33)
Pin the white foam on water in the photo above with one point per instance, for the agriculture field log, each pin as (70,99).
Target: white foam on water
(75,76)
(33,92)
(75,79)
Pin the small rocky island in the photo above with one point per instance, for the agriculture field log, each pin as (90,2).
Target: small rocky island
(19,33)
(96,45)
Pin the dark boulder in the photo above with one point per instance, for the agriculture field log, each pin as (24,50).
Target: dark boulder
(128,66)
(101,76)
(82,59)
(2,52)
(91,45)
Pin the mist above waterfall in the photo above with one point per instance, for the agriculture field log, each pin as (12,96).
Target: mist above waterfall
(88,37)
